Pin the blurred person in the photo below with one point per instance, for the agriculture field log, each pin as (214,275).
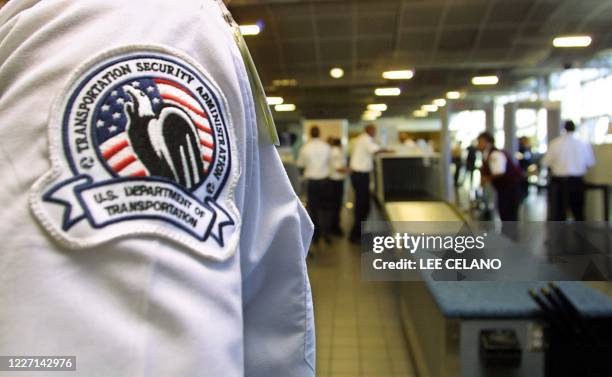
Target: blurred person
(148,227)
(315,159)
(568,159)
(457,161)
(503,173)
(361,165)
(525,153)
(338,170)
(406,144)
(470,163)
(425,146)
(525,160)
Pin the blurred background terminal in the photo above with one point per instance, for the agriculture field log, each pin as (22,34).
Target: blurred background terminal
(432,77)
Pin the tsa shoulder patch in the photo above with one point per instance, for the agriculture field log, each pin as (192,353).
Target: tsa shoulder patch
(142,144)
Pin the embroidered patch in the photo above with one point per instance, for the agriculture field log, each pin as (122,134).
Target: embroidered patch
(141,144)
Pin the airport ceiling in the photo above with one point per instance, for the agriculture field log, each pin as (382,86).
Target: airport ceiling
(445,41)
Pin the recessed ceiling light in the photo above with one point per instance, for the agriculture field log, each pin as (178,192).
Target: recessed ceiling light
(429,108)
(372,113)
(399,75)
(453,95)
(285,107)
(336,72)
(388,92)
(420,113)
(572,41)
(250,29)
(440,102)
(485,80)
(284,82)
(377,107)
(274,100)
(368,117)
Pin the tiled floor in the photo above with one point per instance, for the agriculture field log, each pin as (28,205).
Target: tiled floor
(358,326)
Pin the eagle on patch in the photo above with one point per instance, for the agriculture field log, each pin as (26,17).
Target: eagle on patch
(166,144)
(156,128)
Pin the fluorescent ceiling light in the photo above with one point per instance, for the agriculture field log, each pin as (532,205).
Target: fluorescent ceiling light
(284,82)
(372,113)
(420,113)
(572,41)
(453,95)
(250,29)
(285,107)
(440,102)
(368,117)
(388,91)
(429,108)
(485,80)
(398,75)
(377,107)
(336,72)
(274,100)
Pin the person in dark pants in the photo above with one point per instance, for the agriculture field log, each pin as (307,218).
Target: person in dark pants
(337,176)
(470,164)
(568,160)
(362,164)
(525,160)
(504,174)
(314,158)
(457,162)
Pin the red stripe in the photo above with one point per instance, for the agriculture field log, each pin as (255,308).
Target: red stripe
(207,158)
(139,173)
(114,149)
(207,144)
(123,163)
(171,83)
(203,128)
(199,125)
(176,99)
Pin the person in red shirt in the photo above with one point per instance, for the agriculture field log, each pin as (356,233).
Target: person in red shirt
(504,174)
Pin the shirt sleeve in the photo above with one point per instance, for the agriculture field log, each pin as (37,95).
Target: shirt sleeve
(337,159)
(278,316)
(497,163)
(301,161)
(143,305)
(549,157)
(589,155)
(372,147)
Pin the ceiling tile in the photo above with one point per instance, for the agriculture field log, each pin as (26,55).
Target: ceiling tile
(335,27)
(376,24)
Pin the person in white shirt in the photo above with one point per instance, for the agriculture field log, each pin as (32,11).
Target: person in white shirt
(337,176)
(568,160)
(315,158)
(148,227)
(361,165)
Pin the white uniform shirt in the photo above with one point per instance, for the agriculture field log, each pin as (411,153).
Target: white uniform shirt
(362,157)
(569,157)
(497,161)
(315,157)
(338,162)
(145,305)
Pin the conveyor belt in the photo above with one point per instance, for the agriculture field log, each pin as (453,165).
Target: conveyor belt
(437,315)
(421,211)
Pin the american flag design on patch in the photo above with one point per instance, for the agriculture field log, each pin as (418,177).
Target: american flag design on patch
(119,149)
